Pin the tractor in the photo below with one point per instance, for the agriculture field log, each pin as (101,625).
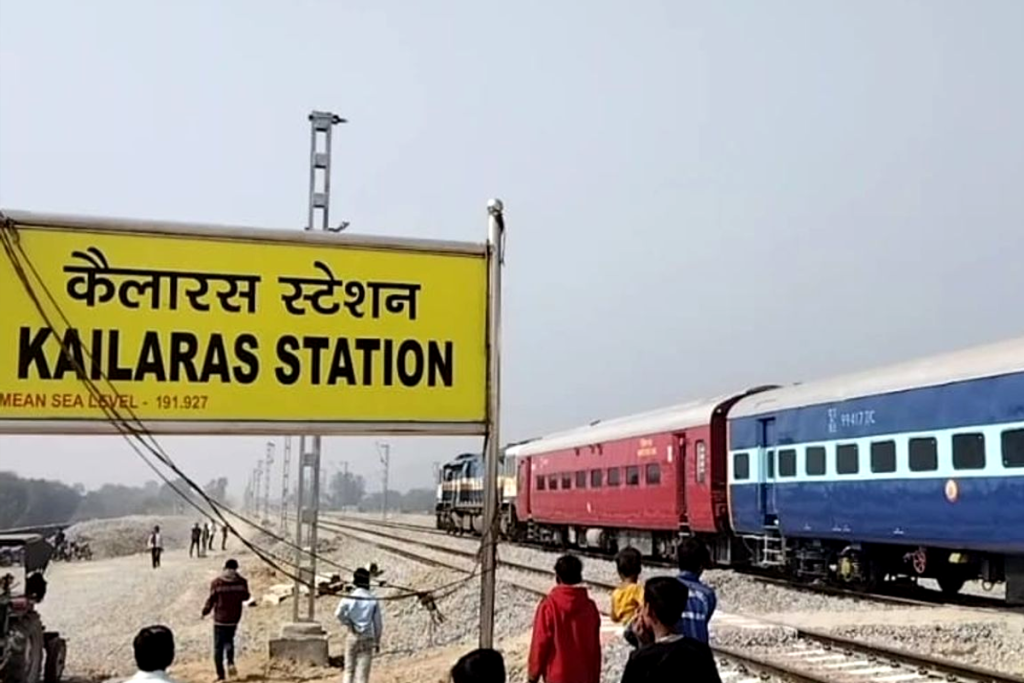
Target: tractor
(28,653)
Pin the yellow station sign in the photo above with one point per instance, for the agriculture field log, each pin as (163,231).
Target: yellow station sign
(256,331)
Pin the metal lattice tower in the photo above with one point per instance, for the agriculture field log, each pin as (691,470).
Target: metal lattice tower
(267,469)
(307,501)
(286,465)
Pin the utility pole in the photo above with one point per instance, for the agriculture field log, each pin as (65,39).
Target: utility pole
(489,543)
(343,493)
(308,503)
(384,453)
(258,479)
(266,484)
(286,465)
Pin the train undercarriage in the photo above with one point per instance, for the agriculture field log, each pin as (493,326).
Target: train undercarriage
(864,567)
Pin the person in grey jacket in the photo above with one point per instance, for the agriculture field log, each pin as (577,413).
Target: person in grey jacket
(359,614)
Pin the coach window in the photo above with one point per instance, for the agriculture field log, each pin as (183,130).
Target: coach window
(581,479)
(770,464)
(969,451)
(613,476)
(595,479)
(883,457)
(847,461)
(553,482)
(1013,448)
(632,476)
(814,463)
(787,463)
(741,466)
(702,461)
(652,474)
(923,455)
(566,481)
(540,483)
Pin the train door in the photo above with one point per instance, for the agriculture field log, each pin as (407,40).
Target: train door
(681,469)
(524,486)
(766,471)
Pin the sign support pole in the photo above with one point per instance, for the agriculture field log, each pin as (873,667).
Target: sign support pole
(492,509)
(308,502)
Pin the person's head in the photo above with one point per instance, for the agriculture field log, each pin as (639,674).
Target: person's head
(569,570)
(628,563)
(361,578)
(692,556)
(156,530)
(232,565)
(664,602)
(154,648)
(479,666)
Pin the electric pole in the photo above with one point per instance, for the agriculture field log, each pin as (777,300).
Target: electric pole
(286,464)
(308,503)
(266,485)
(384,453)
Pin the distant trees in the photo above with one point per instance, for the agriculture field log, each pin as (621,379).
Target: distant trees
(24,502)
(28,502)
(413,500)
(344,489)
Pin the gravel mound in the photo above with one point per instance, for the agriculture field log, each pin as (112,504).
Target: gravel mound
(997,646)
(128,535)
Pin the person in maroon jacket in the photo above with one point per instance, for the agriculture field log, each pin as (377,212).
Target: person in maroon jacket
(228,592)
(566,645)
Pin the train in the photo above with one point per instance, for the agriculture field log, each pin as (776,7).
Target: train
(910,471)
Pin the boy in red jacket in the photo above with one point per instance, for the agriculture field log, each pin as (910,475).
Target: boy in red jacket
(228,592)
(566,646)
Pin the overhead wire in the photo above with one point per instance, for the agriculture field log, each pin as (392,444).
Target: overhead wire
(147,441)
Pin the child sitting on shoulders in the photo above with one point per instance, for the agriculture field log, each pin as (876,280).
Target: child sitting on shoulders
(628,598)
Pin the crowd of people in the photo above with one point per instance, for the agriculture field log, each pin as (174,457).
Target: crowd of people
(665,620)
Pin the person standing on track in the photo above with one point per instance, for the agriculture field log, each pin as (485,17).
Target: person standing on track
(566,644)
(156,546)
(223,536)
(205,540)
(228,593)
(359,613)
(693,557)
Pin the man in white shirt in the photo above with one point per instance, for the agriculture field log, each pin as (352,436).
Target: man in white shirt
(154,653)
(359,613)
(156,546)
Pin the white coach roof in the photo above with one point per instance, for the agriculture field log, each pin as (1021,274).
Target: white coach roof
(973,363)
(672,418)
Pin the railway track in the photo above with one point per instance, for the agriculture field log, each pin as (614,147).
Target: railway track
(802,655)
(904,596)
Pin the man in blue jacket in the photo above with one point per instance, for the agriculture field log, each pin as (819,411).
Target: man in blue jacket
(693,557)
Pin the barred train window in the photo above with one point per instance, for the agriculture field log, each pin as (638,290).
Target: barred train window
(847,461)
(581,479)
(632,476)
(787,463)
(613,476)
(553,482)
(969,451)
(883,457)
(540,483)
(702,461)
(595,478)
(923,454)
(566,481)
(1013,448)
(814,464)
(652,474)
(741,466)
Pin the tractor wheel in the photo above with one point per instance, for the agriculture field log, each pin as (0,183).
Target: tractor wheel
(56,654)
(25,643)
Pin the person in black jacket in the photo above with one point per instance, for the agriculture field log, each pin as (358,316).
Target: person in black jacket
(670,656)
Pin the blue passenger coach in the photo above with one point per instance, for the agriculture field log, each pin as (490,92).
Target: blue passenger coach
(912,470)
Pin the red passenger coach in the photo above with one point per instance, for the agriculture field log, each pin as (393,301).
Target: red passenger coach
(644,481)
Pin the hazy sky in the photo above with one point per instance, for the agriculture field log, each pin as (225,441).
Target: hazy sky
(700,196)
